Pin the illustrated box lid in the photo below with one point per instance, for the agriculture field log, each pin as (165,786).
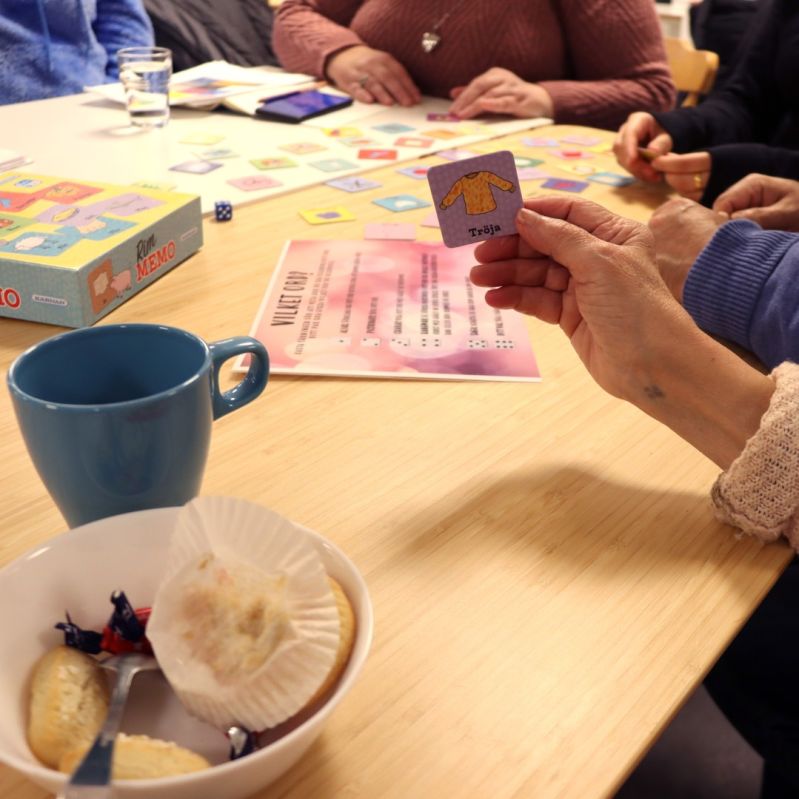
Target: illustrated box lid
(67,223)
(71,250)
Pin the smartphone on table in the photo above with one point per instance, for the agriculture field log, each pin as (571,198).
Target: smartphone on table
(299,106)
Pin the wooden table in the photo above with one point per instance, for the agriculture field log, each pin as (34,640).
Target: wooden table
(548,579)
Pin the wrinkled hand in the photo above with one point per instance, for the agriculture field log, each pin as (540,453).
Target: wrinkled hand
(682,230)
(578,265)
(687,174)
(641,130)
(771,202)
(500,91)
(372,76)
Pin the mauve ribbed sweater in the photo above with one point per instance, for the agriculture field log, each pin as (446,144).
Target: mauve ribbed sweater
(598,59)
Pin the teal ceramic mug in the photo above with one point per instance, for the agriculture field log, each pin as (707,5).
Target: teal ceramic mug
(117,418)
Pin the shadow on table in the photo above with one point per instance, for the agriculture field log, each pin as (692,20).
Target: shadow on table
(583,522)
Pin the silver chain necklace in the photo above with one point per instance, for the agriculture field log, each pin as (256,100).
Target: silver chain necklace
(431,38)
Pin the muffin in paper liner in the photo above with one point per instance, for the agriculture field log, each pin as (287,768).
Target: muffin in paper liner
(244,624)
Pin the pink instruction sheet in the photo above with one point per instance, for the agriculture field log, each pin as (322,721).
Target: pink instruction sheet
(402,309)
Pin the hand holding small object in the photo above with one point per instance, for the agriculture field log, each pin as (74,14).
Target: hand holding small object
(687,174)
(639,140)
(577,265)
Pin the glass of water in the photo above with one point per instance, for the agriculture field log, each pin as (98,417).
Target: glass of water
(145,73)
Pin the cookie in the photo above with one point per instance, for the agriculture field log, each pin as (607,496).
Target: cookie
(68,704)
(346,639)
(138,757)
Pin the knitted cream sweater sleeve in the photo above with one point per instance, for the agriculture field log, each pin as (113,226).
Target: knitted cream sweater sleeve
(759,493)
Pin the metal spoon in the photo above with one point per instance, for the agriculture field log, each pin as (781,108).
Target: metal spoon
(92,778)
(242,742)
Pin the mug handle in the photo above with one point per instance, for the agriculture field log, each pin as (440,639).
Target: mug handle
(254,381)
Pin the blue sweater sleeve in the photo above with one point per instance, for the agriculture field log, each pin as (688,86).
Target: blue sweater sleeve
(121,23)
(744,287)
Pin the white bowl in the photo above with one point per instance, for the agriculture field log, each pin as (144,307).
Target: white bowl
(78,571)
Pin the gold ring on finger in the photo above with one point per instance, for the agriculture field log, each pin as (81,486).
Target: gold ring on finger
(699,181)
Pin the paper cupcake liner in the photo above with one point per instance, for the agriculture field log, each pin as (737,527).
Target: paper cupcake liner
(256,557)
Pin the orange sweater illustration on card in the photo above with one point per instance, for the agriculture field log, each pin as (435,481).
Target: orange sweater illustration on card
(476,190)
(488,186)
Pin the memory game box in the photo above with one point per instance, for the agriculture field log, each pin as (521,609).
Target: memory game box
(71,251)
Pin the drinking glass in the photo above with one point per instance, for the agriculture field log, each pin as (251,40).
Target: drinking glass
(145,73)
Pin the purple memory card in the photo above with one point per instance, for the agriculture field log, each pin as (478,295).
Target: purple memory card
(476,198)
(561,184)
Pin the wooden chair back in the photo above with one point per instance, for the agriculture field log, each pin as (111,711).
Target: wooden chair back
(693,71)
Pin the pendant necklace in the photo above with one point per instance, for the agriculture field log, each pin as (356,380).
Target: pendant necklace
(431,38)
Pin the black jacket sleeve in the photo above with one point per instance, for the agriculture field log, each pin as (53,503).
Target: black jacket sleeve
(731,162)
(748,107)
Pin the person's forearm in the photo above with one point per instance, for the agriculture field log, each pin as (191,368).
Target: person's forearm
(703,392)
(304,38)
(607,103)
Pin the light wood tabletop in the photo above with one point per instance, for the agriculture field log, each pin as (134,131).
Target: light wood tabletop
(548,580)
